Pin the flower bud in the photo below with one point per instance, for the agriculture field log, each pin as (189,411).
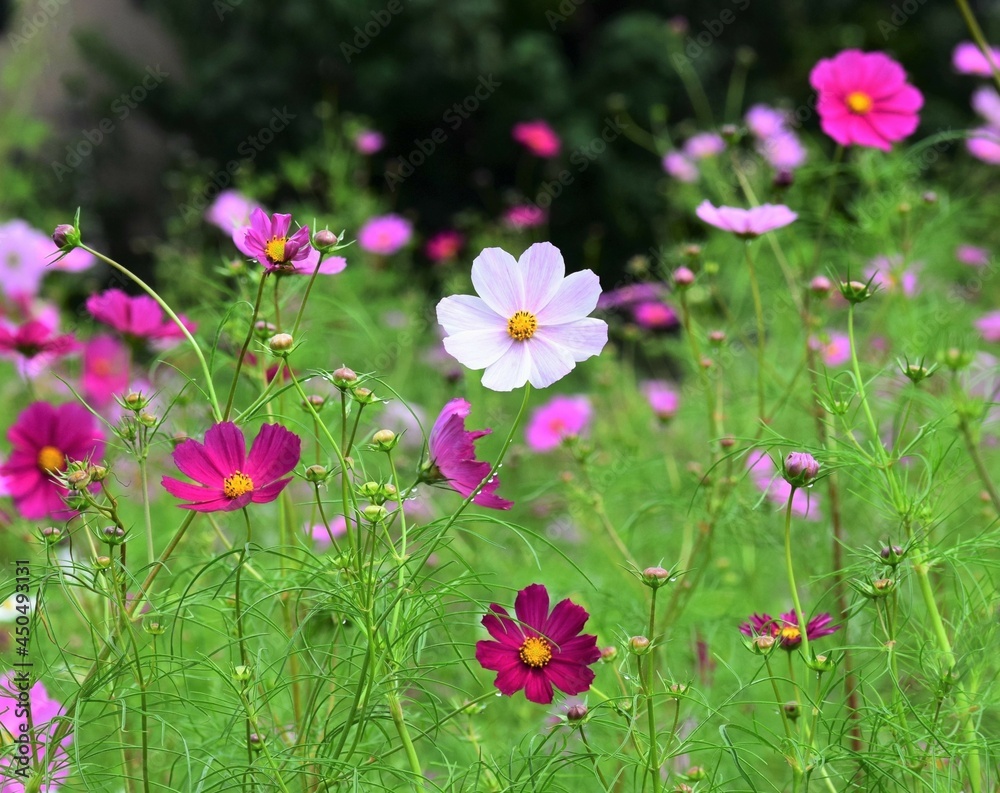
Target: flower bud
(256,741)
(314,401)
(135,401)
(792,710)
(52,534)
(683,278)
(98,473)
(281,342)
(884,585)
(892,555)
(344,377)
(364,396)
(113,535)
(375,512)
(385,440)
(717,337)
(242,673)
(66,237)
(264,329)
(576,712)
(929,198)
(783,179)
(696,773)
(677,689)
(77,480)
(856,291)
(148,420)
(821,286)
(730,133)
(639,645)
(154,627)
(655,577)
(316,473)
(370,490)
(801,469)
(324,239)
(956,359)
(763,644)
(904,208)
(102,562)
(822,663)
(609,653)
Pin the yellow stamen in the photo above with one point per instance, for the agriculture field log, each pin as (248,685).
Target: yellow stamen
(522,325)
(237,485)
(859,102)
(51,460)
(275,249)
(535,652)
(790,634)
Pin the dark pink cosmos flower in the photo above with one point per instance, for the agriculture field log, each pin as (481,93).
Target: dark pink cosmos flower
(864,99)
(227,477)
(654,315)
(43,440)
(537,137)
(560,418)
(105,370)
(139,317)
(385,235)
(444,245)
(35,338)
(525,216)
(539,650)
(988,326)
(786,628)
(369,141)
(972,255)
(969,59)
(267,240)
(53,765)
(453,457)
(746,223)
(662,397)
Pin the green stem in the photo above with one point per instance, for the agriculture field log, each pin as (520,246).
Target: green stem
(758,308)
(653,760)
(977,460)
(790,570)
(396,709)
(246,346)
(147,516)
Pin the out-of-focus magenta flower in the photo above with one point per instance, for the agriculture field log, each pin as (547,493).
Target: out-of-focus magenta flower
(704,145)
(864,99)
(783,151)
(680,167)
(227,477)
(105,370)
(538,650)
(746,223)
(27,254)
(835,348)
(787,629)
(35,345)
(52,767)
(385,235)
(321,536)
(765,121)
(560,418)
(986,102)
(138,317)
(631,295)
(768,480)
(983,143)
(44,439)
(453,457)
(444,246)
(525,216)
(537,137)
(369,142)
(266,239)
(972,255)
(662,397)
(967,58)
(886,272)
(654,315)
(988,326)
(231,210)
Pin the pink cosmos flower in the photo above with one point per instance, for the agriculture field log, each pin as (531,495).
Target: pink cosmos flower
(525,216)
(538,650)
(385,235)
(43,440)
(886,272)
(537,137)
(444,246)
(453,457)
(105,370)
(529,323)
(986,102)
(787,629)
(984,144)
(22,260)
(864,99)
(969,59)
(988,326)
(680,167)
(784,151)
(267,241)
(834,347)
(138,317)
(227,477)
(53,766)
(768,480)
(662,397)
(654,315)
(704,145)
(35,341)
(320,535)
(368,141)
(972,255)
(631,295)
(746,223)
(560,418)
(231,210)
(764,121)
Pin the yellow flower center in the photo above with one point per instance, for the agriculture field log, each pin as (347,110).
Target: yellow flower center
(237,485)
(859,102)
(535,652)
(522,325)
(790,634)
(275,249)
(51,460)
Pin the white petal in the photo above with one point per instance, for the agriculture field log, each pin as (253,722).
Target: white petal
(511,370)
(477,349)
(542,271)
(497,280)
(549,362)
(576,298)
(582,339)
(460,313)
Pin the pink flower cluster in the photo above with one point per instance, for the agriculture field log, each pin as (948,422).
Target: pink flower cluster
(682,165)
(776,142)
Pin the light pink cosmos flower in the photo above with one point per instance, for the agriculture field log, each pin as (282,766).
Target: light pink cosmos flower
(783,151)
(22,263)
(267,240)
(230,211)
(529,323)
(53,766)
(385,235)
(453,457)
(864,99)
(768,480)
(138,317)
(105,370)
(969,59)
(43,440)
(986,102)
(444,246)
(765,121)
(746,223)
(662,397)
(560,418)
(988,326)
(537,137)
(369,142)
(886,272)
(227,477)
(680,167)
(835,348)
(704,145)
(321,536)
(525,216)
(972,255)
(983,143)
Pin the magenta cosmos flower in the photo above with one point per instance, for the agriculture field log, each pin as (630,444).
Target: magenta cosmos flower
(227,477)
(138,317)
(385,235)
(35,340)
(525,216)
(529,323)
(746,223)
(537,137)
(52,766)
(786,628)
(969,59)
(864,99)
(539,650)
(972,255)
(560,418)
(453,457)
(267,240)
(662,397)
(43,440)
(444,246)
(105,370)
(368,141)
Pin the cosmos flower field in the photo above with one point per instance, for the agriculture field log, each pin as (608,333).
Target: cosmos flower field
(727,523)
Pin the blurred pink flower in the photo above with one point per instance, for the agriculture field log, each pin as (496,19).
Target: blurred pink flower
(986,102)
(784,151)
(444,246)
(864,99)
(105,370)
(704,145)
(35,345)
(368,141)
(972,255)
(662,397)
(139,317)
(525,216)
(764,121)
(769,481)
(631,295)
(984,144)
(886,273)
(231,210)
(22,264)
(654,315)
(988,326)
(969,59)
(538,137)
(834,347)
(384,235)
(53,764)
(680,167)
(560,418)
(746,223)
(320,535)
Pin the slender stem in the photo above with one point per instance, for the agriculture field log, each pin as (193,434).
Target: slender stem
(706,385)
(396,709)
(593,758)
(838,155)
(758,308)
(653,762)
(979,38)
(246,346)
(147,516)
(790,570)
(977,460)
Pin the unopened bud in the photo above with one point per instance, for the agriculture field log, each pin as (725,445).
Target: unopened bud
(281,342)
(52,534)
(763,644)
(264,329)
(375,512)
(77,480)
(316,473)
(717,337)
(821,286)
(314,401)
(364,396)
(148,420)
(639,645)
(385,440)
(113,535)
(242,673)
(683,278)
(102,562)
(930,197)
(609,653)
(892,555)
(856,291)
(792,710)
(344,377)
(98,473)
(801,469)
(66,237)
(576,712)
(324,238)
(655,577)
